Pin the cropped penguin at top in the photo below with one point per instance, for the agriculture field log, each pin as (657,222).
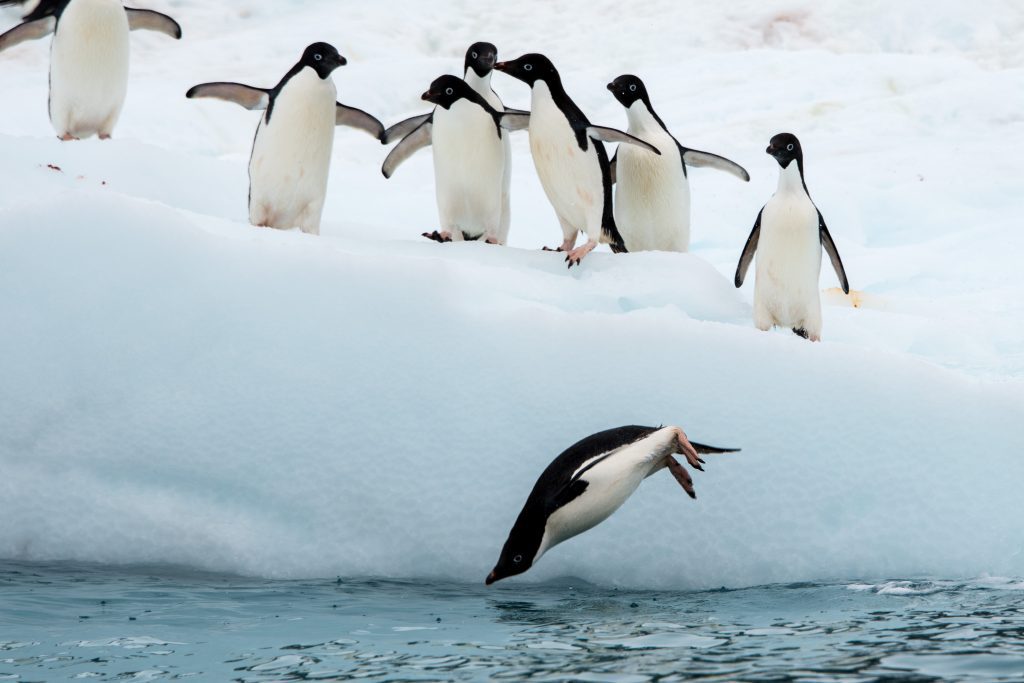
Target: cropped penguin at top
(89,58)
(652,193)
(584,485)
(788,237)
(472,168)
(570,158)
(291,153)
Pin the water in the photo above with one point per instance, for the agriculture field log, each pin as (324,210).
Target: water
(72,622)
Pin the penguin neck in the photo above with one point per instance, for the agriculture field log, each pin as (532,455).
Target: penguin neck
(642,118)
(482,84)
(791,179)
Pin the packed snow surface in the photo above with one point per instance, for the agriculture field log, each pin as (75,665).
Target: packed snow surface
(179,387)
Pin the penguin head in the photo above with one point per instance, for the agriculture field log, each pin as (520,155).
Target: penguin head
(447,90)
(322,58)
(481,57)
(785,147)
(529,68)
(522,548)
(628,89)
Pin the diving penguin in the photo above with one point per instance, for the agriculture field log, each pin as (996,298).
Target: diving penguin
(89,58)
(584,485)
(788,236)
(291,154)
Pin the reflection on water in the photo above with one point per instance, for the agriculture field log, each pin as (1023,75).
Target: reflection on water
(64,622)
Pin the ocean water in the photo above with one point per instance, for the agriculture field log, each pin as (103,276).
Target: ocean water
(75,622)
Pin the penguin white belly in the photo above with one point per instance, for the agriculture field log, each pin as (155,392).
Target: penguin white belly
(89,68)
(652,195)
(610,482)
(483,87)
(469,168)
(788,260)
(291,155)
(571,177)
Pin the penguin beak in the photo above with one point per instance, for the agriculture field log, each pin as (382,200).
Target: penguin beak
(490,60)
(491,578)
(611,87)
(501,66)
(428,96)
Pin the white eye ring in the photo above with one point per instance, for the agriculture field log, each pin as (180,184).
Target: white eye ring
(449,91)
(632,88)
(318,57)
(474,55)
(528,67)
(789,147)
(517,559)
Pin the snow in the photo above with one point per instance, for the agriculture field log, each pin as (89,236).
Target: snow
(178,387)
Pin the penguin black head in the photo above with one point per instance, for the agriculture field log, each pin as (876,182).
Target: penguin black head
(529,68)
(322,58)
(785,147)
(447,90)
(481,57)
(520,549)
(628,89)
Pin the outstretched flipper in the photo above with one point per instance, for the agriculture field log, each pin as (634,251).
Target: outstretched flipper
(412,143)
(748,251)
(244,95)
(698,159)
(30,30)
(833,253)
(403,128)
(515,120)
(612,135)
(509,110)
(148,20)
(357,118)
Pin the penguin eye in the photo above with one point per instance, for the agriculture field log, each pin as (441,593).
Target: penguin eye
(449,91)
(632,88)
(517,559)
(474,55)
(318,57)
(789,147)
(527,67)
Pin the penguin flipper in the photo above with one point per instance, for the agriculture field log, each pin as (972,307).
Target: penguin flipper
(612,135)
(613,167)
(244,95)
(568,493)
(697,158)
(410,144)
(30,30)
(148,20)
(515,120)
(833,253)
(748,251)
(403,128)
(509,110)
(357,118)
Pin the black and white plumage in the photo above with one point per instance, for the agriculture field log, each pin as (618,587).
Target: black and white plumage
(788,237)
(89,58)
(570,158)
(588,482)
(652,192)
(472,175)
(291,153)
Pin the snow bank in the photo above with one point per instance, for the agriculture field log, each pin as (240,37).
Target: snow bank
(176,386)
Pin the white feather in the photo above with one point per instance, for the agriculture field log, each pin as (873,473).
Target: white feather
(483,87)
(291,156)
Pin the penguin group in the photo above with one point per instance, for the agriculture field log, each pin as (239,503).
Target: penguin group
(634,200)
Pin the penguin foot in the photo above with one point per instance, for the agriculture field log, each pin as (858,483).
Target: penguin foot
(686,448)
(550,249)
(577,254)
(67,137)
(681,475)
(104,136)
(438,236)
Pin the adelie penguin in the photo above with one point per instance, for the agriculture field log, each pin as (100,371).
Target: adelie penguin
(570,158)
(788,237)
(583,486)
(89,58)
(472,168)
(291,154)
(652,192)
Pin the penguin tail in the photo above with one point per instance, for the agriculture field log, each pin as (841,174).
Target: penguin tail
(610,235)
(713,450)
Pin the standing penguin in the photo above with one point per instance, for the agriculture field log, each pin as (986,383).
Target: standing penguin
(788,236)
(465,165)
(570,158)
(584,485)
(291,154)
(652,194)
(89,58)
